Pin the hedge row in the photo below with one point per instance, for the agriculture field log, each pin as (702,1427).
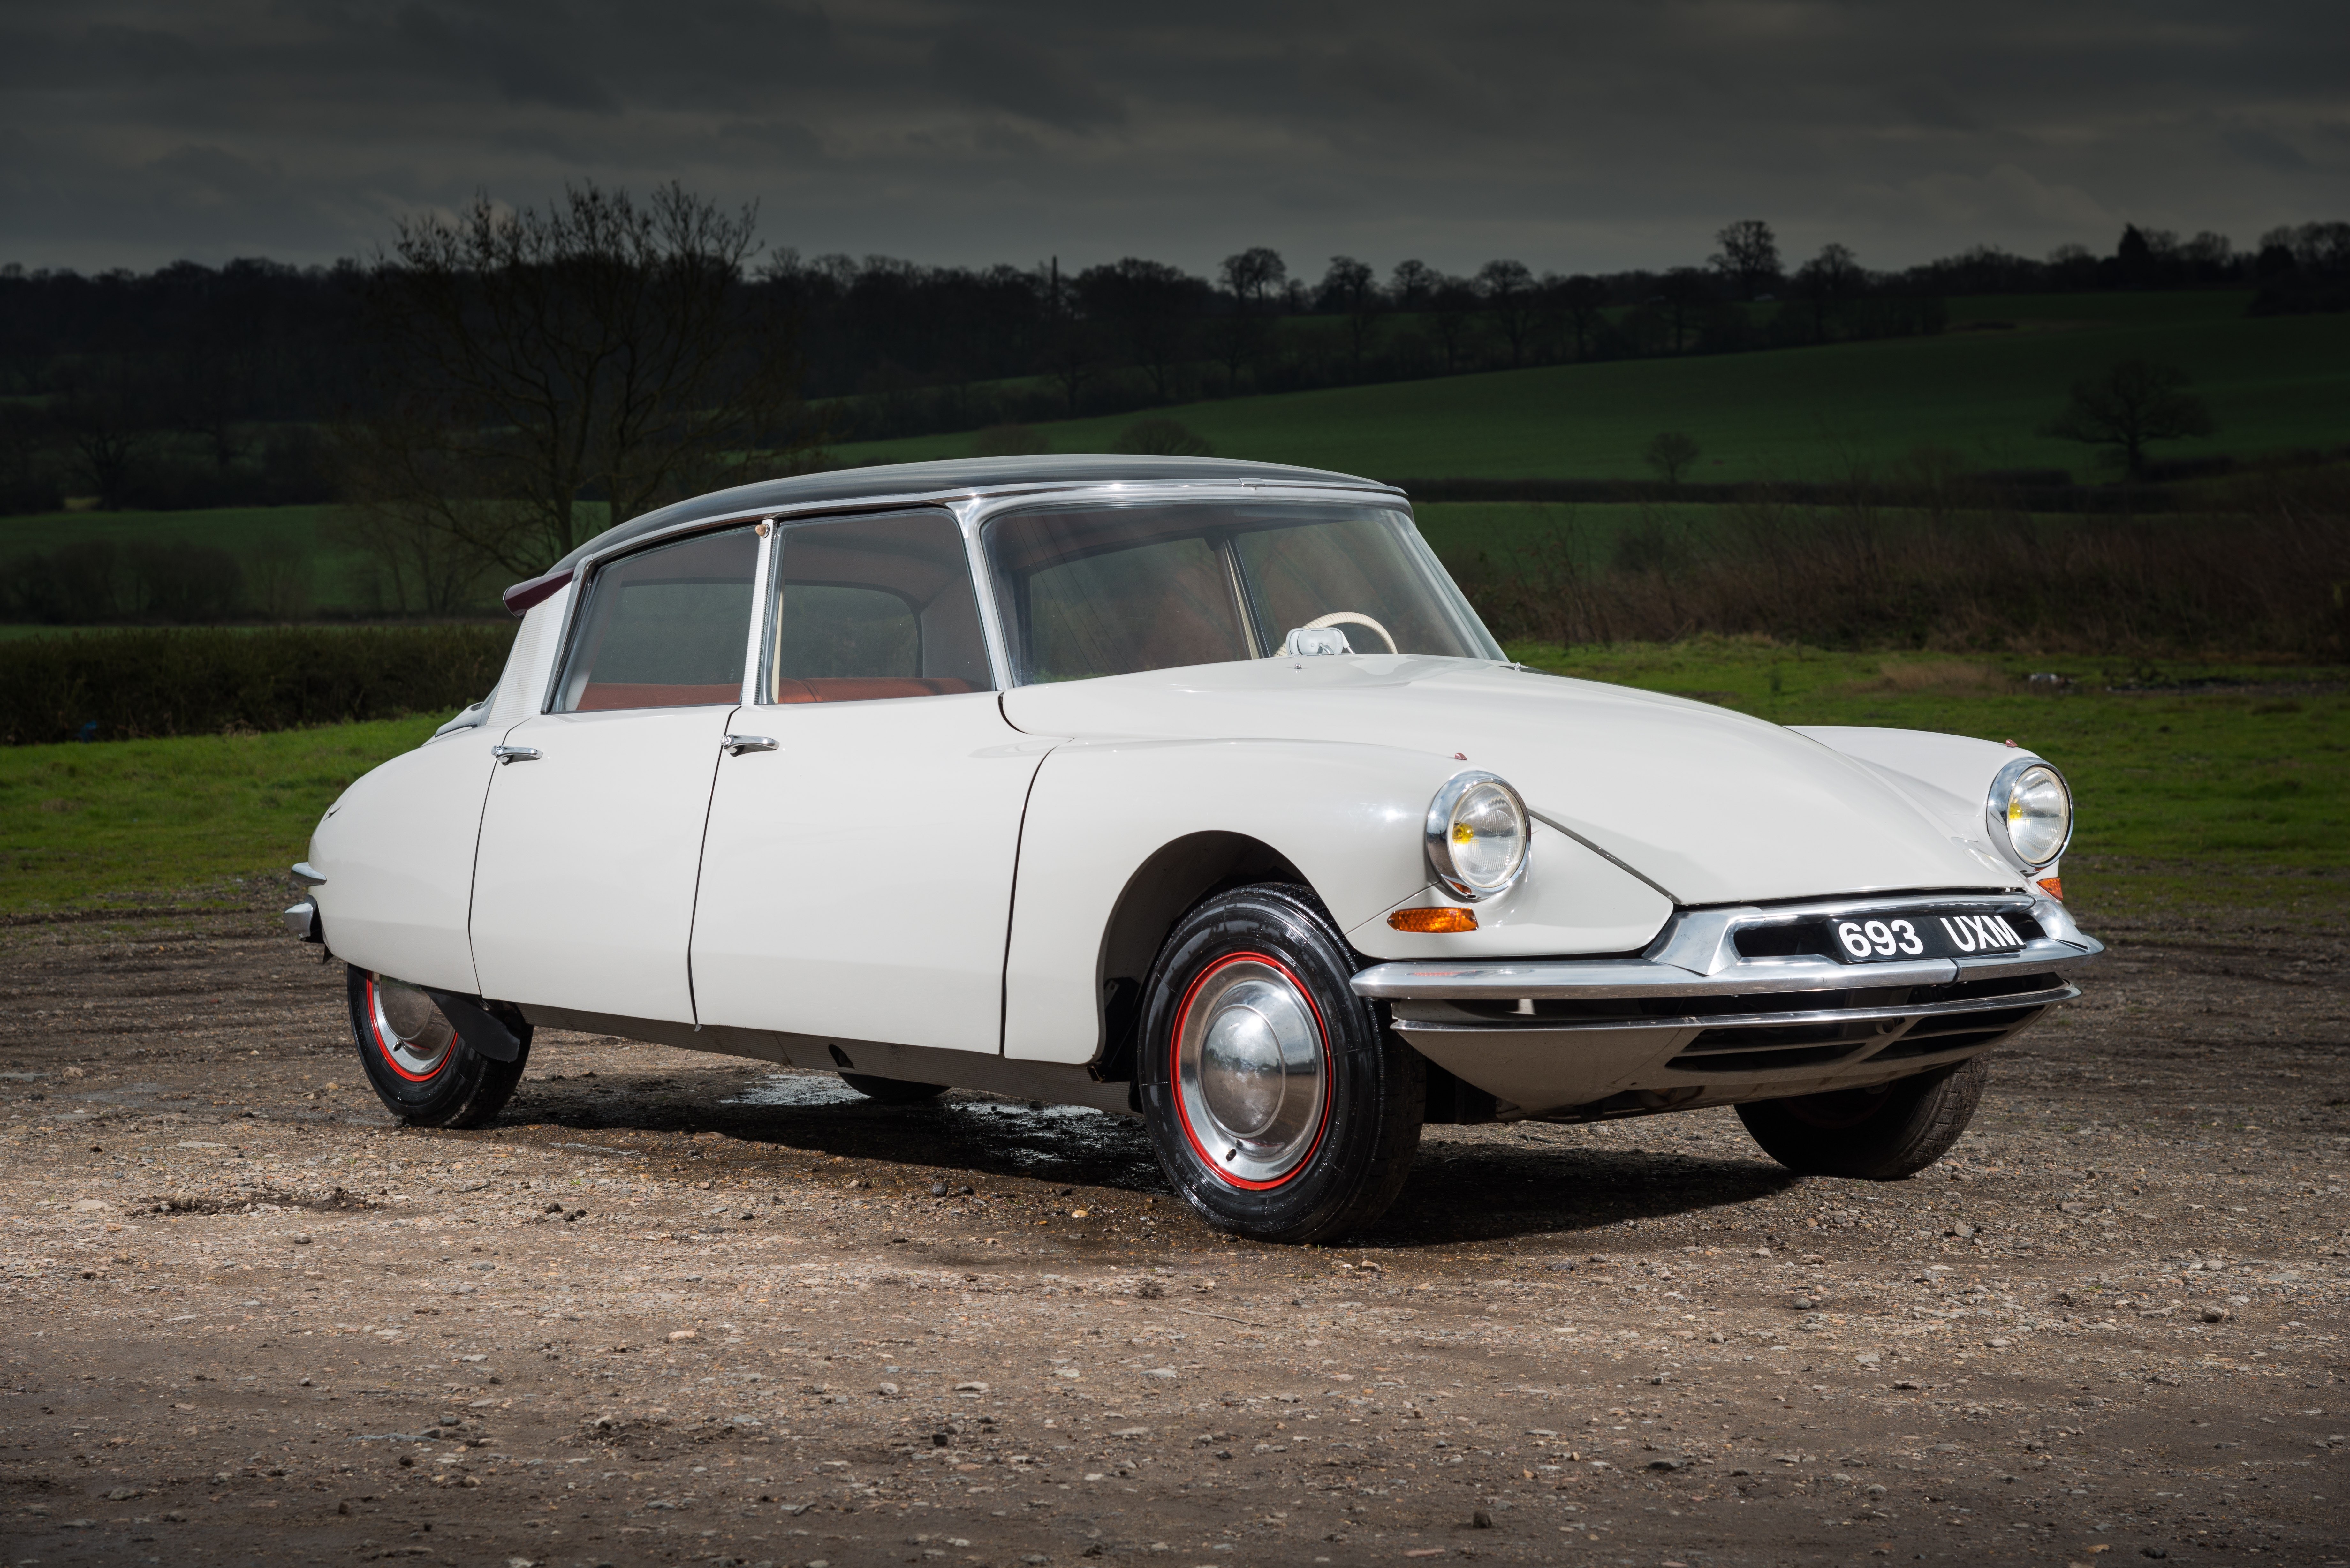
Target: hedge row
(113,686)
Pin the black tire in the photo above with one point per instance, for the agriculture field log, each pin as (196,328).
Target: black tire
(453,1085)
(1883,1133)
(1372,1088)
(893,1091)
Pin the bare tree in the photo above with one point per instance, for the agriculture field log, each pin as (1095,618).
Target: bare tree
(1583,297)
(1412,283)
(1508,288)
(1149,306)
(1671,453)
(2132,404)
(106,418)
(1826,281)
(1452,313)
(550,370)
(1679,291)
(1353,288)
(1749,255)
(1254,279)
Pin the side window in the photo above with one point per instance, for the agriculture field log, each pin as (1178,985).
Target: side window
(875,607)
(665,628)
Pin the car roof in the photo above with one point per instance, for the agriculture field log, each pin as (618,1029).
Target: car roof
(973,475)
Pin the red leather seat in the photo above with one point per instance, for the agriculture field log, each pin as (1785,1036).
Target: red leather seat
(602,696)
(867,688)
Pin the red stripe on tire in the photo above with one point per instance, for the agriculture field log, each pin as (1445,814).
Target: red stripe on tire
(1175,1070)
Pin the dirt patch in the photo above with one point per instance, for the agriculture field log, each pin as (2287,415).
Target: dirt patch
(678,1307)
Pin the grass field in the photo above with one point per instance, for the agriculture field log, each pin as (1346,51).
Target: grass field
(133,821)
(1982,390)
(2235,798)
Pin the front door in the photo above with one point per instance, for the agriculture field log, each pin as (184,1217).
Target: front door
(857,880)
(582,893)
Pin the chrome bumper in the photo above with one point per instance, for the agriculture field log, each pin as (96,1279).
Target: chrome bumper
(1696,1020)
(1697,956)
(302,920)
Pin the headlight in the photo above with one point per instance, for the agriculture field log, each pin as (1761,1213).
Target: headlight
(1477,836)
(2031,812)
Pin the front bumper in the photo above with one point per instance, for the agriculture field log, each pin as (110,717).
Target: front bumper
(1719,1010)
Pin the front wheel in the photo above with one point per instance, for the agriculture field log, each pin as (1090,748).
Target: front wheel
(421,1066)
(1880,1133)
(1282,1109)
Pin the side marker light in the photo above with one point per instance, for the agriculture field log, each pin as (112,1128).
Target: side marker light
(1433,922)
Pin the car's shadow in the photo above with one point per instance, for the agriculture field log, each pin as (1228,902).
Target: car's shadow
(1461,1189)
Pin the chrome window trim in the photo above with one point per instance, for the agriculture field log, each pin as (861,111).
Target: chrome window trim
(763,610)
(584,575)
(980,509)
(1697,955)
(973,507)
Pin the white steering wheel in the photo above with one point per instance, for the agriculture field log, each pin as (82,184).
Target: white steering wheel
(1352,617)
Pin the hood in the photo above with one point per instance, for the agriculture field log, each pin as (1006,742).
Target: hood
(1712,806)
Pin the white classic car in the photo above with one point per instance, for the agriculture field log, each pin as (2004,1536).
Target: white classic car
(1183,788)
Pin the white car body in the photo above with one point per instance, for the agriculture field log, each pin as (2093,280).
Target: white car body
(968,888)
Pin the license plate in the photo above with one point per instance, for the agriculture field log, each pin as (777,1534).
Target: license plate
(1892,938)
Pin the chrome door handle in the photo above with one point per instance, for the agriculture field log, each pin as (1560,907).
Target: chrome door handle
(737,744)
(514,754)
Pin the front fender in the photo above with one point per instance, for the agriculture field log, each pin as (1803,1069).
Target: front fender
(1348,816)
(1947,778)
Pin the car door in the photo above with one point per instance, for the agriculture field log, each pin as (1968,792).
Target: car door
(583,891)
(857,879)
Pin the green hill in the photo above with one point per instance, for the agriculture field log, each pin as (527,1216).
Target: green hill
(1982,388)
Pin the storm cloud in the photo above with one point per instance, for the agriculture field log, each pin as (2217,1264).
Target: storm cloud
(1566,133)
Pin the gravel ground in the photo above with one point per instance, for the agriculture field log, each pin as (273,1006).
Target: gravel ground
(683,1308)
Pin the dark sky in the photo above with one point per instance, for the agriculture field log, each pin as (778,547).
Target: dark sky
(1567,134)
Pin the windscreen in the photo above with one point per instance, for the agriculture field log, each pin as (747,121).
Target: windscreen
(1114,589)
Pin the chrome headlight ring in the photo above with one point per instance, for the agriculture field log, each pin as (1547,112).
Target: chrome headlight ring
(1477,836)
(2029,813)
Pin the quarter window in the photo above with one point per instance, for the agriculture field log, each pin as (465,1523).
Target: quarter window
(666,627)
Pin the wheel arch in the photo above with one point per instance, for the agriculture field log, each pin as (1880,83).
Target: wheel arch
(1171,881)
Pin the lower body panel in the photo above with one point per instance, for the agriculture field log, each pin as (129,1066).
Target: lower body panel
(1055,1082)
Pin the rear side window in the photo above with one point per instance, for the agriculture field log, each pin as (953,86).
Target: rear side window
(874,607)
(666,627)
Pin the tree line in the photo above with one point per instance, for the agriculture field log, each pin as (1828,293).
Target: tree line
(193,386)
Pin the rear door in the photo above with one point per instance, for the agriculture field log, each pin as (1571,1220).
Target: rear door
(582,892)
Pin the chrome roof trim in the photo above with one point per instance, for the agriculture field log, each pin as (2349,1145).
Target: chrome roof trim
(967,479)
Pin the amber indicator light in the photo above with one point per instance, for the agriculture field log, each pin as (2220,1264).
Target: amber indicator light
(2054,887)
(1433,922)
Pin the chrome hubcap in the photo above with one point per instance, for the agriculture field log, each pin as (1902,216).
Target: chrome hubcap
(409,1028)
(1251,1072)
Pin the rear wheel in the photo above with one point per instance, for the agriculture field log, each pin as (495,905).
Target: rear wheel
(1880,1133)
(893,1091)
(1280,1107)
(421,1066)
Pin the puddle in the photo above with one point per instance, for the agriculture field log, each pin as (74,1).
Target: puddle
(1043,1113)
(796,1089)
